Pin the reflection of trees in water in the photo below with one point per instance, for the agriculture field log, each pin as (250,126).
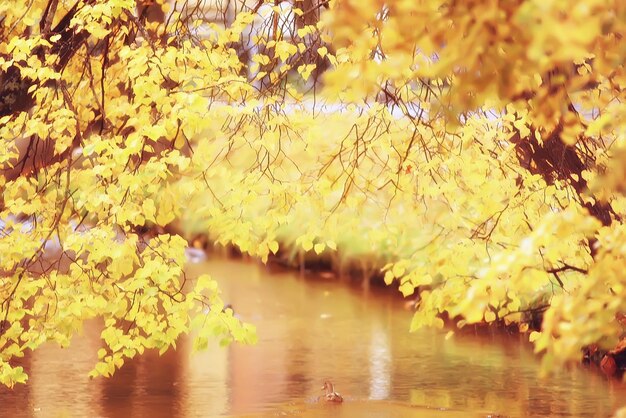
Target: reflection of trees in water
(206,382)
(149,385)
(297,364)
(500,376)
(58,384)
(18,400)
(361,338)
(300,376)
(256,375)
(380,360)
(119,393)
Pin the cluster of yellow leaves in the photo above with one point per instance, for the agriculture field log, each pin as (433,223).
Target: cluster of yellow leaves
(544,69)
(534,53)
(109,137)
(478,256)
(448,210)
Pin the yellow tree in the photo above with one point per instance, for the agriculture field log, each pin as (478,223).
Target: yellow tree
(97,107)
(552,74)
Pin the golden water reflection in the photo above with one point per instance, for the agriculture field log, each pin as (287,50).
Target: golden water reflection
(311,330)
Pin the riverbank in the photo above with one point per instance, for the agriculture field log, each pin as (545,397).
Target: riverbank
(367,273)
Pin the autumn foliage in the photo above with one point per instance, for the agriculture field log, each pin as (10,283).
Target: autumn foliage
(471,151)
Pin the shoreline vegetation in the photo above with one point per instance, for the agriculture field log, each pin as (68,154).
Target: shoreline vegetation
(329,268)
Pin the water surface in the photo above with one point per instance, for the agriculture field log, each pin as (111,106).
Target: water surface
(309,331)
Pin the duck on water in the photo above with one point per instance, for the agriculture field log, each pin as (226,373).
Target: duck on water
(331,395)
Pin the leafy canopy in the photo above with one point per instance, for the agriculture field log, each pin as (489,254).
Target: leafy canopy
(473,151)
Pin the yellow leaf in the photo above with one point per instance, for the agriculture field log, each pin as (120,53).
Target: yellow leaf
(261,59)
(490,316)
(284,50)
(398,270)
(305,31)
(305,70)
(406,289)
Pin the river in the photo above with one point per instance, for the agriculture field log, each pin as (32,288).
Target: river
(311,330)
